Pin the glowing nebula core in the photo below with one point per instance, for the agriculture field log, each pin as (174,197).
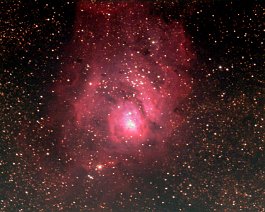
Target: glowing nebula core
(125,76)
(126,122)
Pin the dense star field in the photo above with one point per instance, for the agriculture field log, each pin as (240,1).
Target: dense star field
(132,106)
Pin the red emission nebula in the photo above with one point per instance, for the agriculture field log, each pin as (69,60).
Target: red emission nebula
(125,75)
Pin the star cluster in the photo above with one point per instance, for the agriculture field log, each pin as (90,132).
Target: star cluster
(132,106)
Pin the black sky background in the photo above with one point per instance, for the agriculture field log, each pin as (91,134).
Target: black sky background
(227,37)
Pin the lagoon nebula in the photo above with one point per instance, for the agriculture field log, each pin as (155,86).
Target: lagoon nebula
(119,95)
(127,77)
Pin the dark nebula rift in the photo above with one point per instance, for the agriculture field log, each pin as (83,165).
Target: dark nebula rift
(119,90)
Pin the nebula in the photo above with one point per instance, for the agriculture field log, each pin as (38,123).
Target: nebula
(123,81)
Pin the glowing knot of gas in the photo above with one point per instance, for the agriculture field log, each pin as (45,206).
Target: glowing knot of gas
(126,122)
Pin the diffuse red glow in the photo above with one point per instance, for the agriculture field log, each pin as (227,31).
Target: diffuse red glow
(129,75)
(123,78)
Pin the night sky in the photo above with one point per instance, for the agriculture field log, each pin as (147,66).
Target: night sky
(132,105)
